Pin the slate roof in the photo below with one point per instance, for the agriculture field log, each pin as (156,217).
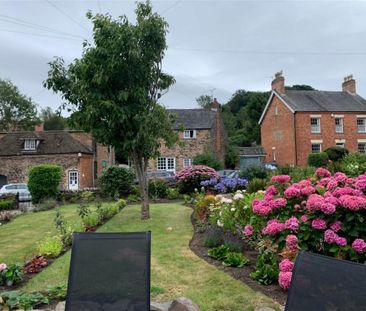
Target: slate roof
(193,118)
(314,101)
(251,151)
(51,142)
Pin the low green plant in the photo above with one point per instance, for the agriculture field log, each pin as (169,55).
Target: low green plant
(87,196)
(213,236)
(50,247)
(11,275)
(219,252)
(319,159)
(256,184)
(158,189)
(172,193)
(107,212)
(65,230)
(45,205)
(21,300)
(234,259)
(266,269)
(201,226)
(83,210)
(121,203)
(91,220)
(56,292)
(254,171)
(6,204)
(354,164)
(234,246)
(132,198)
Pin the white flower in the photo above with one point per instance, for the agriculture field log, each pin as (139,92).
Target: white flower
(219,223)
(232,209)
(245,207)
(238,196)
(238,191)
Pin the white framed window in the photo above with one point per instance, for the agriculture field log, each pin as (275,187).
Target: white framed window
(316,147)
(361,125)
(338,125)
(340,144)
(30,144)
(315,125)
(165,164)
(187,162)
(361,147)
(189,134)
(276,111)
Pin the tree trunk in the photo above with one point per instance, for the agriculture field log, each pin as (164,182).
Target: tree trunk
(141,168)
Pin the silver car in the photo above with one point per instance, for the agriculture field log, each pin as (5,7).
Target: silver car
(22,189)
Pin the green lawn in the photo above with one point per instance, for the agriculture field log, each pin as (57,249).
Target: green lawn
(176,271)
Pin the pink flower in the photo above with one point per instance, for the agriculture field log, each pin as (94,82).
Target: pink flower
(262,208)
(324,181)
(3,266)
(248,230)
(304,218)
(336,226)
(286,265)
(273,227)
(332,184)
(304,183)
(346,190)
(340,177)
(353,203)
(359,246)
(284,279)
(292,224)
(322,172)
(271,190)
(328,208)
(330,236)
(292,192)
(280,179)
(291,242)
(361,182)
(319,224)
(308,190)
(341,241)
(277,203)
(314,202)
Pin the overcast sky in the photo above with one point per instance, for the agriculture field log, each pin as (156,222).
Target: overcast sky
(215,47)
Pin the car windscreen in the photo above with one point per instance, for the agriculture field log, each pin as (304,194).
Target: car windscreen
(23,187)
(11,187)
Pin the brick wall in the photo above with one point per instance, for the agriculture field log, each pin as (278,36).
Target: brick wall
(277,131)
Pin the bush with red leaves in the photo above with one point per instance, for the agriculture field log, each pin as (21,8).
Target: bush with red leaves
(35,265)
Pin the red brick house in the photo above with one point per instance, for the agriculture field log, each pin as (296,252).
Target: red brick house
(296,123)
(81,158)
(199,131)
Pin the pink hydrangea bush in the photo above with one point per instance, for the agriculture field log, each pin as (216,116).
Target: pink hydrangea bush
(189,178)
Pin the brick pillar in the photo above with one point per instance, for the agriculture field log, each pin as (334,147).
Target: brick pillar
(278,84)
(349,85)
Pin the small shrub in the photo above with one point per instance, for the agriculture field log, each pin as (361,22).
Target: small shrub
(172,193)
(234,246)
(319,159)
(254,171)
(201,226)
(44,181)
(11,275)
(219,252)
(266,269)
(336,153)
(45,205)
(354,164)
(35,265)
(6,204)
(121,204)
(116,181)
(234,259)
(256,184)
(91,220)
(65,231)
(202,206)
(50,247)
(87,196)
(207,159)
(22,300)
(57,292)
(157,189)
(213,236)
(107,212)
(136,191)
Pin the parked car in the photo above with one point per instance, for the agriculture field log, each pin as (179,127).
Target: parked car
(164,175)
(225,173)
(22,189)
(233,174)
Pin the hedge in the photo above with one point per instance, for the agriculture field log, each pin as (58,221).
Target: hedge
(319,159)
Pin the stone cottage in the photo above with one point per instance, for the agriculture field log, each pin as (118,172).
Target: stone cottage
(81,158)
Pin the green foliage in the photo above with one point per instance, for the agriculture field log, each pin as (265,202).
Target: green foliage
(202,206)
(50,247)
(13,274)
(45,205)
(57,292)
(116,180)
(256,184)
(132,198)
(87,196)
(297,173)
(66,231)
(172,193)
(219,252)
(52,120)
(6,204)
(91,220)
(336,153)
(157,189)
(231,157)
(207,159)
(300,87)
(234,259)
(21,300)
(121,204)
(116,84)
(354,164)
(106,212)
(319,159)
(213,237)
(204,101)
(254,171)
(233,246)
(200,226)
(17,111)
(266,270)
(44,181)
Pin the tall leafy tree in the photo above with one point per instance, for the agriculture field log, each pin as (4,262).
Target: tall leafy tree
(115,87)
(204,101)
(17,112)
(52,120)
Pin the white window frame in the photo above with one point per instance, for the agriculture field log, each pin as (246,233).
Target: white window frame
(315,128)
(362,149)
(189,134)
(361,128)
(187,162)
(339,127)
(320,147)
(165,164)
(30,144)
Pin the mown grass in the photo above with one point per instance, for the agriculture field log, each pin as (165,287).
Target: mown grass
(176,270)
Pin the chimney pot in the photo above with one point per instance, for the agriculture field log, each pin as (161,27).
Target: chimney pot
(215,104)
(278,84)
(349,85)
(39,128)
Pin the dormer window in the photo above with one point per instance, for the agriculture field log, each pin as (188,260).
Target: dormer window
(189,134)
(30,144)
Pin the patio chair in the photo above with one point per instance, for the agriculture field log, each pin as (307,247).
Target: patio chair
(109,271)
(321,283)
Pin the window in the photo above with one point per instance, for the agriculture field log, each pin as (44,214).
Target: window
(339,125)
(315,125)
(189,134)
(340,144)
(165,164)
(362,147)
(315,148)
(187,162)
(276,111)
(30,144)
(361,125)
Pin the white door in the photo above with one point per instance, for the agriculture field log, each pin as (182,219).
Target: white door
(170,164)
(73,180)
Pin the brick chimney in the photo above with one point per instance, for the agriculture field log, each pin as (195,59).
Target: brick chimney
(215,105)
(39,128)
(349,85)
(278,84)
